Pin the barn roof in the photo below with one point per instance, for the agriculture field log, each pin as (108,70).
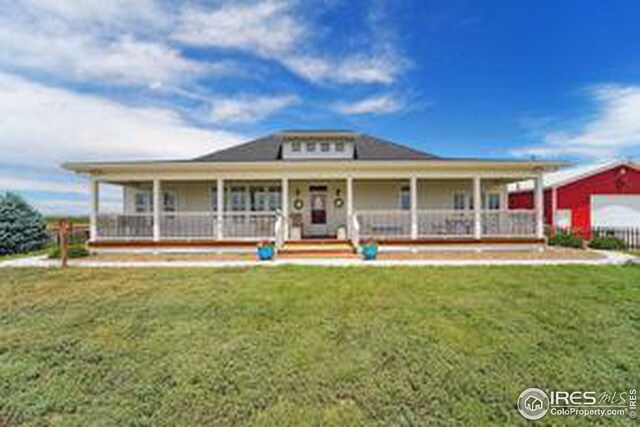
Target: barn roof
(566,176)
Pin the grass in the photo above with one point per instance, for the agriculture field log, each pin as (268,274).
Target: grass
(302,346)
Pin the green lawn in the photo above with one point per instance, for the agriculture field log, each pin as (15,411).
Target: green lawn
(304,346)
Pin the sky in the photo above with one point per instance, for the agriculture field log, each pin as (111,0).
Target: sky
(152,79)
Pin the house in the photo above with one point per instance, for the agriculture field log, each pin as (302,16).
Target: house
(602,195)
(298,185)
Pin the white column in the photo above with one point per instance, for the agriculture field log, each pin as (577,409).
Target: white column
(94,190)
(539,205)
(477,207)
(413,190)
(220,208)
(349,206)
(285,206)
(157,208)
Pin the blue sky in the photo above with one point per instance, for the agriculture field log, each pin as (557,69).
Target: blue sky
(87,80)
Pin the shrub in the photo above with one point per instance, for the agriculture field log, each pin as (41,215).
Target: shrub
(610,243)
(566,239)
(74,252)
(22,228)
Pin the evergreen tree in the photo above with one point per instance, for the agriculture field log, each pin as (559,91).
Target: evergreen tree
(22,228)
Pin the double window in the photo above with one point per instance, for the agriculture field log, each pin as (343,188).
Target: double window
(464,201)
(253,198)
(143,201)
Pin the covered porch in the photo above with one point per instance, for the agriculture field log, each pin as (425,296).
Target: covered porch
(232,211)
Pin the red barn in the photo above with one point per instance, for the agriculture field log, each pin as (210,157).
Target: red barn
(606,195)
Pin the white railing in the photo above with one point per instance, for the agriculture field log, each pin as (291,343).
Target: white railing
(249,225)
(188,225)
(445,223)
(509,223)
(379,224)
(127,226)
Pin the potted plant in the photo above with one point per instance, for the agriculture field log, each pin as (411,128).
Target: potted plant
(266,250)
(369,250)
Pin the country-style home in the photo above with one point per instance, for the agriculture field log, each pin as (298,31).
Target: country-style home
(330,185)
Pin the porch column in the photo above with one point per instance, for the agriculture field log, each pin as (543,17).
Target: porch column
(219,208)
(94,190)
(413,190)
(477,207)
(349,206)
(539,205)
(157,208)
(285,207)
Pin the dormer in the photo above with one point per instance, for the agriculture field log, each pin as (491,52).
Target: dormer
(320,145)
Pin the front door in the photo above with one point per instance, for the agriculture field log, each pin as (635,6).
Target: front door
(318,214)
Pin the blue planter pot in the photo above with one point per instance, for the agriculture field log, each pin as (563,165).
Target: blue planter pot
(369,252)
(265,253)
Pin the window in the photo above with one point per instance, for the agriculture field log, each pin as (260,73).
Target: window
(340,147)
(295,146)
(492,201)
(459,201)
(324,147)
(143,202)
(405,198)
(311,146)
(265,199)
(236,199)
(214,198)
(168,202)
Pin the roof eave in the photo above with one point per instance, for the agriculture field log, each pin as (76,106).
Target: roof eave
(101,167)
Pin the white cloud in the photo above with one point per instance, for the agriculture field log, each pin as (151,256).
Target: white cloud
(383,104)
(245,109)
(356,69)
(108,41)
(41,125)
(613,131)
(266,27)
(13,183)
(272,30)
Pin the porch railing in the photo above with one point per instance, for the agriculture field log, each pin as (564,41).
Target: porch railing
(188,225)
(249,225)
(128,226)
(379,224)
(445,223)
(509,223)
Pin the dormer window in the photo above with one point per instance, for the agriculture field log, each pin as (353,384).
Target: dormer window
(324,147)
(311,147)
(295,146)
(340,147)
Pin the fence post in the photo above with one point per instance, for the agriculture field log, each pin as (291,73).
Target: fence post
(63,238)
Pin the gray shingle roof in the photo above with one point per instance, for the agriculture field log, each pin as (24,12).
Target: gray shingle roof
(269,148)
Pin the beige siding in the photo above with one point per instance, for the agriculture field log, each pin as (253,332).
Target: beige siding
(368,195)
